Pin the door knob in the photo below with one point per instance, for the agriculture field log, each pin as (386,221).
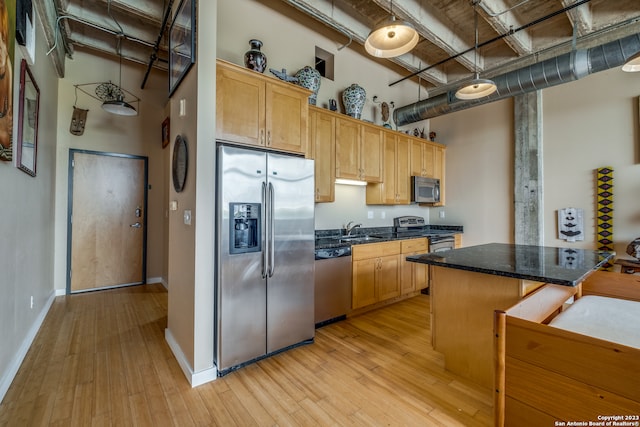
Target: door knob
(136,225)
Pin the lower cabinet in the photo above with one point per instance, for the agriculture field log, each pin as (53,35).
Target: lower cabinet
(413,276)
(376,273)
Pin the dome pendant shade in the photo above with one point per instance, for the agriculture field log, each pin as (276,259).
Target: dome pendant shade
(476,88)
(391,38)
(632,65)
(119,107)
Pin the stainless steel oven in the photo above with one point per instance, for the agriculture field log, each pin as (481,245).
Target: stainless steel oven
(441,243)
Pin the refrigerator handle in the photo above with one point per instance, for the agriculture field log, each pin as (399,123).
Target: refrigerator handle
(272,240)
(264,230)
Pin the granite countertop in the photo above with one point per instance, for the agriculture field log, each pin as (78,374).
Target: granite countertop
(562,266)
(327,239)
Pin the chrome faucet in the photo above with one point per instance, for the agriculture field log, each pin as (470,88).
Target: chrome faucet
(349,228)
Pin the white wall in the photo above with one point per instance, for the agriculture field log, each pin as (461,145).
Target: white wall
(106,132)
(587,124)
(292,46)
(350,205)
(26,237)
(479,172)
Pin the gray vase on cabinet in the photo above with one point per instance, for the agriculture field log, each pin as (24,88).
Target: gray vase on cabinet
(309,78)
(353,99)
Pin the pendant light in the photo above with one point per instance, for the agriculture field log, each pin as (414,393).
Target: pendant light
(633,64)
(116,104)
(391,37)
(476,88)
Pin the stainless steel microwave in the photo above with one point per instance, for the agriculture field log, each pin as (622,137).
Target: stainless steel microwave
(425,190)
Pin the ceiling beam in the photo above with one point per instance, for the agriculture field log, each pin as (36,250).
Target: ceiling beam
(335,18)
(581,17)
(503,21)
(47,12)
(434,26)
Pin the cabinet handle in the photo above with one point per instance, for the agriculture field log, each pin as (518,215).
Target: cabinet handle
(269,138)
(261,136)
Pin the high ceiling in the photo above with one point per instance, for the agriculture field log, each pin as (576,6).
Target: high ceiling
(510,32)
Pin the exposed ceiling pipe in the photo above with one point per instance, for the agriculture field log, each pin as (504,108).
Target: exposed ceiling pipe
(561,69)
(156,47)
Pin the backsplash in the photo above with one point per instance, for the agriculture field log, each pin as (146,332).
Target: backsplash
(350,205)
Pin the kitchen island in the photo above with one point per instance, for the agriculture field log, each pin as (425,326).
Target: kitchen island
(469,284)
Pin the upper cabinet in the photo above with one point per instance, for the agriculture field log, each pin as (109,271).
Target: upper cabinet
(394,190)
(259,110)
(359,150)
(428,159)
(322,138)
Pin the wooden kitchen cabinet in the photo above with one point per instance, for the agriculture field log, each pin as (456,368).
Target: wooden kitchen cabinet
(359,150)
(457,240)
(428,160)
(259,110)
(376,273)
(413,276)
(422,158)
(394,190)
(322,138)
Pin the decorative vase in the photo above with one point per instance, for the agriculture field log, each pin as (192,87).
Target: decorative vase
(309,78)
(353,98)
(254,59)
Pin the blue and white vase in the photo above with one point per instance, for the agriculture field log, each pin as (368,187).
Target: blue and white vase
(309,78)
(353,99)
(254,58)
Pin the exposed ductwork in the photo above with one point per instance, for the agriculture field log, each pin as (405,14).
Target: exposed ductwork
(561,69)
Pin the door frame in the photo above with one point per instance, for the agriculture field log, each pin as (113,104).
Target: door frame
(70,172)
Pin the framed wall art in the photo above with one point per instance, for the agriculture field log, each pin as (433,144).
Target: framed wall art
(7,40)
(28,104)
(182,43)
(165,132)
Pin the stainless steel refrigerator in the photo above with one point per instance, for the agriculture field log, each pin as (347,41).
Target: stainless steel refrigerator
(264,256)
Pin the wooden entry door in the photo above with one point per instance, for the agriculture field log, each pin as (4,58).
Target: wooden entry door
(106,220)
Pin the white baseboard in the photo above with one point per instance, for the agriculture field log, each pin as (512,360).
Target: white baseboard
(61,292)
(158,280)
(12,369)
(194,378)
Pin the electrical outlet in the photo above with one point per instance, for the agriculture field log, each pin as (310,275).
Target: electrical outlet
(441,214)
(32,301)
(369,214)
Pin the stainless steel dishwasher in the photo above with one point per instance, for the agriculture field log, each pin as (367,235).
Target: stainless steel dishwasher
(332,285)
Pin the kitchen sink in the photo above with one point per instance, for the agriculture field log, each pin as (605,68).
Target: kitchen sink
(361,238)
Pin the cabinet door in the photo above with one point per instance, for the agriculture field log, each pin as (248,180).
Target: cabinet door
(286,116)
(407,283)
(364,282)
(402,176)
(388,277)
(372,153)
(347,149)
(388,187)
(416,167)
(240,112)
(429,160)
(323,142)
(439,172)
(420,275)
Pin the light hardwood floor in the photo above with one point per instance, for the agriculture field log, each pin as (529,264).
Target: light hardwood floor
(101,359)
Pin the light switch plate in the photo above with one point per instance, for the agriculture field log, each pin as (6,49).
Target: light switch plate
(187,217)
(173,205)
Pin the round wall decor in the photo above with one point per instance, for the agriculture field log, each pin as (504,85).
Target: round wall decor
(179,163)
